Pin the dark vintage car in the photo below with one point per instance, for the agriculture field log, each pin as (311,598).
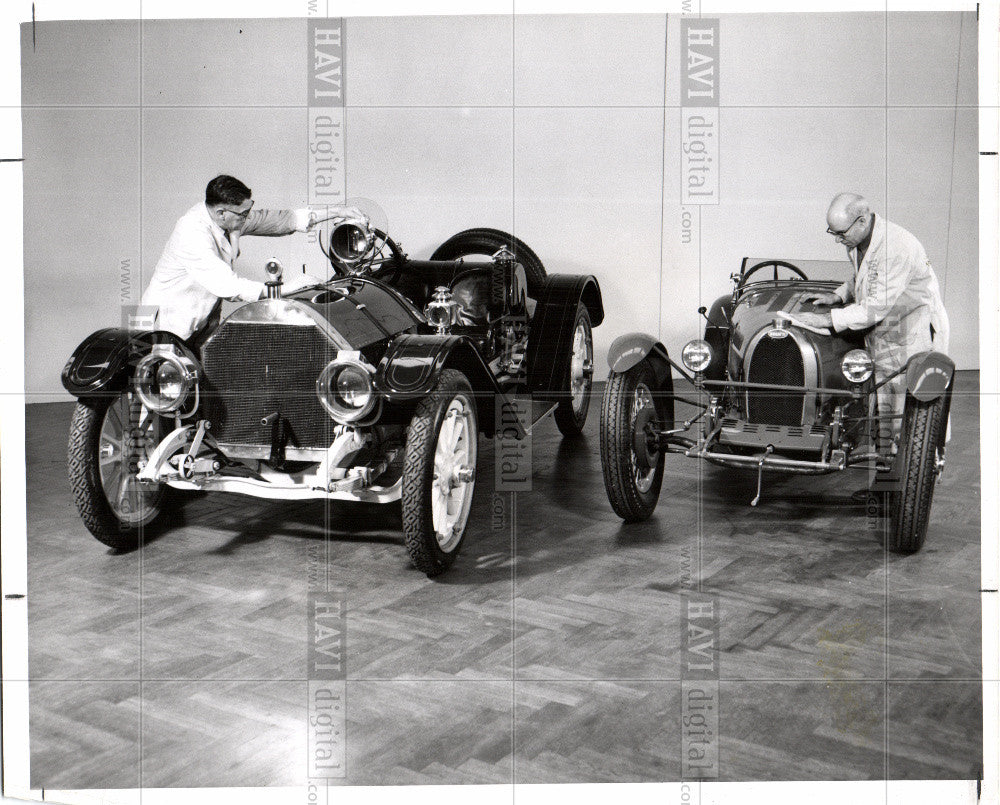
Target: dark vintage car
(373,386)
(773,395)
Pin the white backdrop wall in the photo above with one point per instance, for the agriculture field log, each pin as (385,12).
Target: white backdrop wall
(564,129)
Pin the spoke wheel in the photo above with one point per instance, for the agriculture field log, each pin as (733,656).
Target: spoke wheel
(631,459)
(108,438)
(439,473)
(571,413)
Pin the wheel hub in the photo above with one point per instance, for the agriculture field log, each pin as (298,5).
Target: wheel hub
(453,474)
(581,366)
(645,443)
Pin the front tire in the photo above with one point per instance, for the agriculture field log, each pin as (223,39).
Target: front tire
(631,460)
(107,438)
(571,413)
(439,473)
(918,463)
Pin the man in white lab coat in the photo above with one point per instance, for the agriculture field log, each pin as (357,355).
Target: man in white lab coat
(195,272)
(894,295)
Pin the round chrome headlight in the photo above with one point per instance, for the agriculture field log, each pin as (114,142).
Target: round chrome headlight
(857,366)
(346,391)
(350,243)
(696,355)
(163,381)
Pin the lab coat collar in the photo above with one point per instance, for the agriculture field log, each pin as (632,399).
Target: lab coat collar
(874,244)
(218,231)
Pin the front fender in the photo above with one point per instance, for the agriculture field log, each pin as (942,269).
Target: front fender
(627,350)
(411,366)
(630,349)
(929,375)
(103,362)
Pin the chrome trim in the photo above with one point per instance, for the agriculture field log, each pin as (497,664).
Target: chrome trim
(263,452)
(294,488)
(810,368)
(289,312)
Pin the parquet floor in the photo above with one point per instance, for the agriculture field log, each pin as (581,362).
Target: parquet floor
(549,653)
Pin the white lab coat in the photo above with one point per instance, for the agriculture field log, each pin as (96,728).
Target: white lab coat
(195,270)
(895,293)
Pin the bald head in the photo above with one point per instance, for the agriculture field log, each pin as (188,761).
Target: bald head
(846,210)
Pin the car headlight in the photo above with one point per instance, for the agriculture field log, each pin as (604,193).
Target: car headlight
(857,366)
(163,380)
(696,355)
(346,391)
(350,243)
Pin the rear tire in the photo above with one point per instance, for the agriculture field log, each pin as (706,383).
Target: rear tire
(439,473)
(104,446)
(632,479)
(918,467)
(485,243)
(571,413)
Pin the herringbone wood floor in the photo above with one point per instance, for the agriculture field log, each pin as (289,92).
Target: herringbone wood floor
(549,653)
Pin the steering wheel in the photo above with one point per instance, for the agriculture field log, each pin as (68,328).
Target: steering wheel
(383,260)
(777,264)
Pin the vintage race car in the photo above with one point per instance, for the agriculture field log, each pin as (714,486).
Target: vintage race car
(774,395)
(373,386)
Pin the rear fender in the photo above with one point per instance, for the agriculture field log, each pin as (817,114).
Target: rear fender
(551,337)
(104,361)
(411,366)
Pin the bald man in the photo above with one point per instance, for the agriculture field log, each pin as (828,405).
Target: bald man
(894,295)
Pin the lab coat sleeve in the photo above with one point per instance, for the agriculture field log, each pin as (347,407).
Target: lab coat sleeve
(846,291)
(271,223)
(196,252)
(880,296)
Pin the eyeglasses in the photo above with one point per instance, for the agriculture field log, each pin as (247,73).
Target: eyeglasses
(843,232)
(241,215)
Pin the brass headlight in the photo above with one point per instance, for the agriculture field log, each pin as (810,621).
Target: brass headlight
(164,380)
(350,243)
(696,355)
(857,366)
(345,390)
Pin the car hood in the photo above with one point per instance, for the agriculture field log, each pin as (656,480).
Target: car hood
(353,312)
(759,306)
(761,302)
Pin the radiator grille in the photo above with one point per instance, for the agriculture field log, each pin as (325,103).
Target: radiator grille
(254,370)
(777,361)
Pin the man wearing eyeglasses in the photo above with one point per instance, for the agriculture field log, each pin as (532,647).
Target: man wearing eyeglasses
(894,295)
(195,272)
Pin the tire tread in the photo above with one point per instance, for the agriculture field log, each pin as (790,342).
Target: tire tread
(910,509)
(418,464)
(627,502)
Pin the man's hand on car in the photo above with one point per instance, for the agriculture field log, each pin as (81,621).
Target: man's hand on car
(815,319)
(339,215)
(822,299)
